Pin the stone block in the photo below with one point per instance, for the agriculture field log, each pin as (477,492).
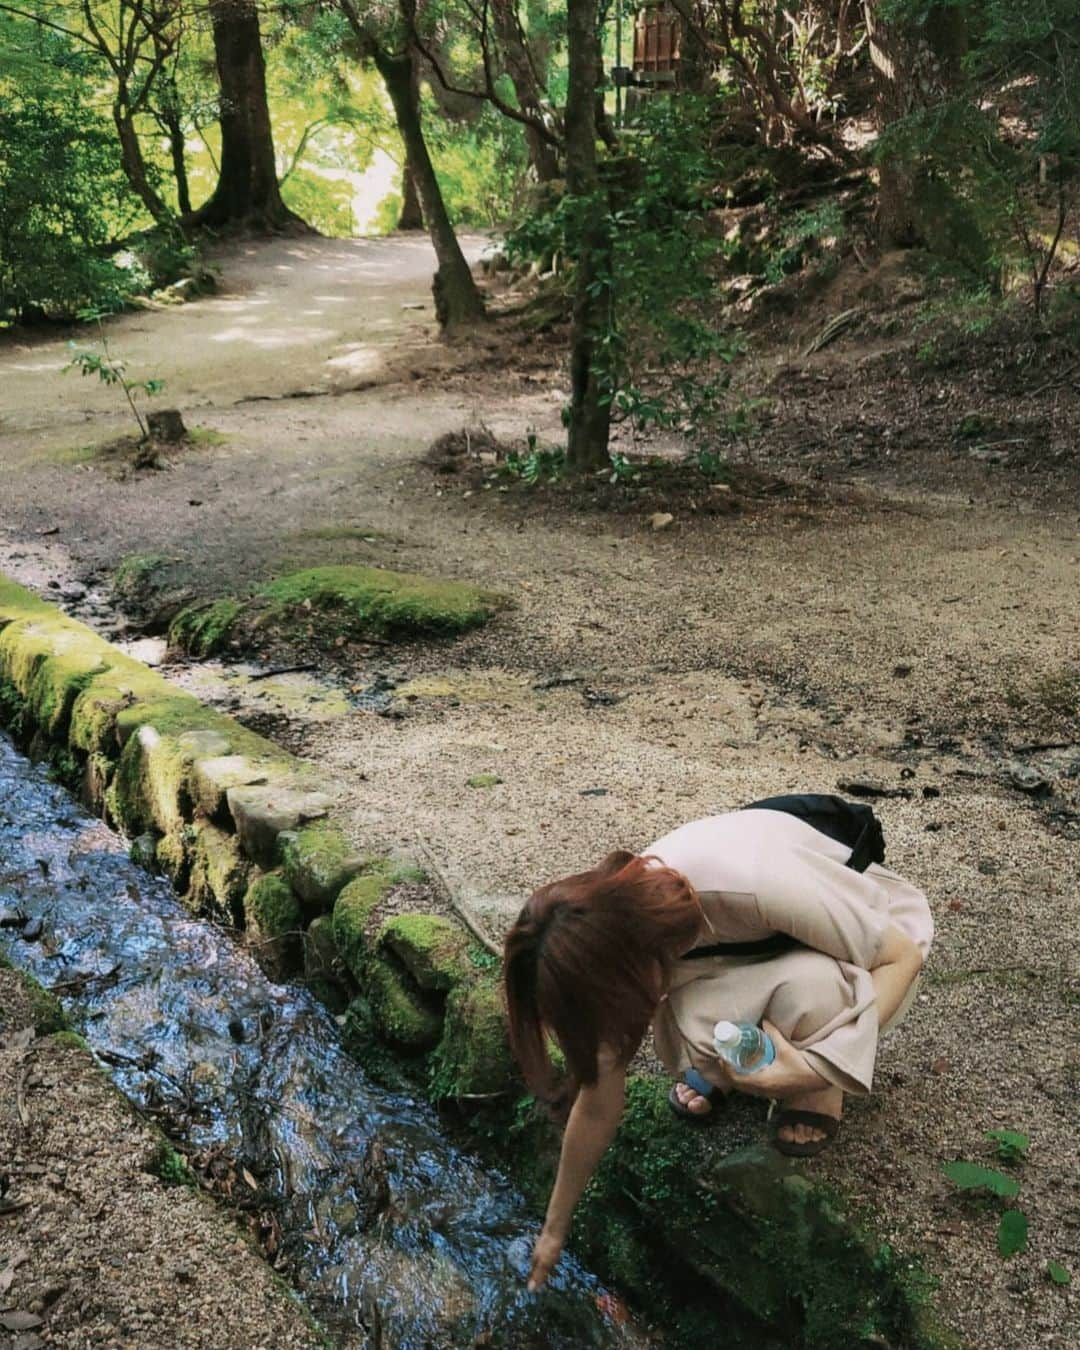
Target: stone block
(261,814)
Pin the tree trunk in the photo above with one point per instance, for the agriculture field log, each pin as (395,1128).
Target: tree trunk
(590,410)
(247,191)
(914,68)
(170,118)
(412,213)
(457,300)
(543,157)
(131,158)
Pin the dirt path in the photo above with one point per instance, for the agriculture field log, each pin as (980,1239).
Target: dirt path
(860,631)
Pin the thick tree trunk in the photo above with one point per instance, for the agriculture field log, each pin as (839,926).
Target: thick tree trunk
(247,191)
(131,158)
(457,300)
(543,156)
(914,68)
(412,213)
(590,407)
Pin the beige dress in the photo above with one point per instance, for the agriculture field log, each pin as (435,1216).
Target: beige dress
(762,872)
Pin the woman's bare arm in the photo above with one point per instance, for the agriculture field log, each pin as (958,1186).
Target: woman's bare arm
(594,1118)
(899,960)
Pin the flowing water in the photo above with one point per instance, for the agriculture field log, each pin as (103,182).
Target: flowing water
(392,1235)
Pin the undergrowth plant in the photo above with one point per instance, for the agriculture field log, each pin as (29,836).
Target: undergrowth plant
(1011,1148)
(111,371)
(662,358)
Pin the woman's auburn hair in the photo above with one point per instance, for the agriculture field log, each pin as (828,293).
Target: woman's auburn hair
(586,961)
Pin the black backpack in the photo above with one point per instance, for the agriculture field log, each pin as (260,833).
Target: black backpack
(849,823)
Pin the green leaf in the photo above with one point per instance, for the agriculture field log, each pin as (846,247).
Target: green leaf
(1011,1143)
(1012,1232)
(971,1177)
(1058,1273)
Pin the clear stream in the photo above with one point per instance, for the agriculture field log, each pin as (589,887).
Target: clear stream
(393,1236)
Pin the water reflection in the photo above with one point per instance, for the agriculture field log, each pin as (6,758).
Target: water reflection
(394,1237)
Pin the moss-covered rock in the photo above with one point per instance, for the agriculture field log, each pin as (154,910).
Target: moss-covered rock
(473,1055)
(353,911)
(220,874)
(204,627)
(213,776)
(50,661)
(324,970)
(172,854)
(263,813)
(318,861)
(432,949)
(376,600)
(274,925)
(401,1014)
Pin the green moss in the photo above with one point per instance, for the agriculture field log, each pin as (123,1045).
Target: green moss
(317,861)
(375,600)
(483,780)
(170,1166)
(335,532)
(71,1039)
(96,710)
(206,436)
(135,575)
(353,909)
(16,602)
(219,874)
(432,949)
(271,907)
(173,854)
(473,1056)
(204,627)
(400,1013)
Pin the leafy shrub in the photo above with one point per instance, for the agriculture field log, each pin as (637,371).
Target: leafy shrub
(63,197)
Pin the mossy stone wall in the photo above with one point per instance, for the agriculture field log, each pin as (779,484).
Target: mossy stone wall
(710,1243)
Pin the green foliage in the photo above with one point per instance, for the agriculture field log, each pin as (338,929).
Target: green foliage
(1012,1146)
(535,465)
(968,1176)
(660,356)
(325,203)
(111,371)
(481,166)
(1057,1273)
(1012,1233)
(810,233)
(63,198)
(170,1167)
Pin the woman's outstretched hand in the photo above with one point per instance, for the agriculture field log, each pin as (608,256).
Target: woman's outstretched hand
(788,1075)
(544,1259)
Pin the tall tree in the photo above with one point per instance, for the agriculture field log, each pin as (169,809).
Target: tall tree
(134,38)
(390,48)
(590,402)
(519,65)
(916,61)
(247,192)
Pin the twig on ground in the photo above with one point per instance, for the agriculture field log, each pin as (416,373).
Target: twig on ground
(1066,374)
(282,670)
(454,903)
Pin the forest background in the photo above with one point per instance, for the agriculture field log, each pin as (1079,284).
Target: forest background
(130,130)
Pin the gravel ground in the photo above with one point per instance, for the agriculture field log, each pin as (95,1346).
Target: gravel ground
(922,638)
(95,1250)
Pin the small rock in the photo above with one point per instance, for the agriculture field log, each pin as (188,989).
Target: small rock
(1028,780)
(660,520)
(901,672)
(33,930)
(930,791)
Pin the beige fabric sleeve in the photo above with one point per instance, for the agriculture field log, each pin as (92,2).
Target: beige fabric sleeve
(824,905)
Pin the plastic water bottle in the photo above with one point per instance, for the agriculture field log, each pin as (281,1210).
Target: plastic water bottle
(745,1047)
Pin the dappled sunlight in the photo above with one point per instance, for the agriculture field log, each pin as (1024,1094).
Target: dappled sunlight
(270,340)
(360,362)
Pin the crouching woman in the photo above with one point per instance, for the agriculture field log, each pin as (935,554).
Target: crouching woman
(753,916)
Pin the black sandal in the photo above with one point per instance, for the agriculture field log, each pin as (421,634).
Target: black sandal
(811,1147)
(712,1094)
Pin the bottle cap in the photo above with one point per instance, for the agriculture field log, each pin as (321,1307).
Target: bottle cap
(725,1032)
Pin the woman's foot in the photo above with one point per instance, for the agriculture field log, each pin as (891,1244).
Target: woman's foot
(694,1097)
(826,1102)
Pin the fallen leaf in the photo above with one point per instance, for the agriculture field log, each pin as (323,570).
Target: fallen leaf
(956,905)
(249,1179)
(612,1308)
(940,1066)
